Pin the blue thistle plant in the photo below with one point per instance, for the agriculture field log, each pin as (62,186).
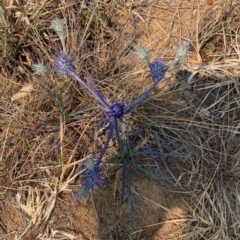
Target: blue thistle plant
(114,112)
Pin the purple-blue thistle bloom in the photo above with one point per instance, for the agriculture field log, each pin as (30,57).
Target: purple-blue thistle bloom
(63,64)
(91,179)
(157,69)
(115,110)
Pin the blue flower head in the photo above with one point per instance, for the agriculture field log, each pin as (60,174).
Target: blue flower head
(63,63)
(157,69)
(91,179)
(116,110)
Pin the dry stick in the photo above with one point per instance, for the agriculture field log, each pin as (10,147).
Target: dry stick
(4,143)
(199,58)
(33,231)
(85,32)
(174,15)
(61,134)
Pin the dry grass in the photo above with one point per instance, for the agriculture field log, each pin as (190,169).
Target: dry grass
(44,141)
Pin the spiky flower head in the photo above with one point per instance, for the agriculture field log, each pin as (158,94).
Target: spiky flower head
(63,63)
(183,51)
(157,69)
(39,68)
(59,27)
(91,179)
(142,54)
(116,110)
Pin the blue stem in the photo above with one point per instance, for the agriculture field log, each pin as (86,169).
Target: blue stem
(96,95)
(139,100)
(120,143)
(110,134)
(96,89)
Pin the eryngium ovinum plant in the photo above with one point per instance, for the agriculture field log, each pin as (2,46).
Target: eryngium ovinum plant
(114,112)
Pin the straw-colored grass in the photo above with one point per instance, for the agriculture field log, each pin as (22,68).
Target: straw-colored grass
(50,125)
